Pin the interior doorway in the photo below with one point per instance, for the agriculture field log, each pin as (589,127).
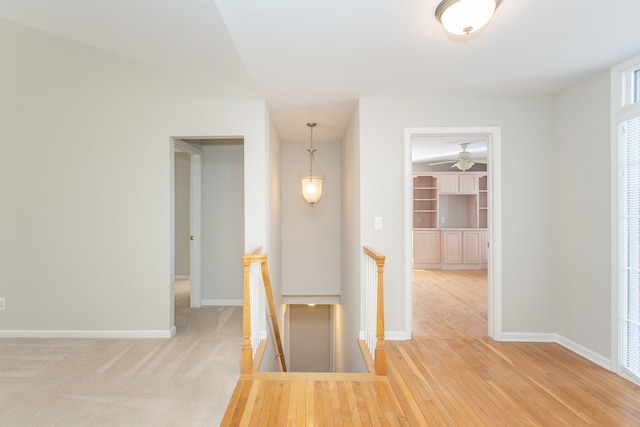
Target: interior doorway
(216,193)
(193,245)
(477,238)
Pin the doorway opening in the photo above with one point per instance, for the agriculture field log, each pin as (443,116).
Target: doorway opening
(457,211)
(215,193)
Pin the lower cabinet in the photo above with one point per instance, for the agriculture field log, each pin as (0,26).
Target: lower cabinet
(426,249)
(450,249)
(472,247)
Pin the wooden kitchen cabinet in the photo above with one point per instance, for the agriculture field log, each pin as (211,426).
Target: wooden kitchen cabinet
(451,247)
(450,217)
(463,183)
(472,247)
(426,249)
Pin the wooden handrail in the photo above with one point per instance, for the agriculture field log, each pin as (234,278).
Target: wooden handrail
(380,352)
(250,257)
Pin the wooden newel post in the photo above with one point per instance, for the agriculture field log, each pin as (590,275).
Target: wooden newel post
(246,366)
(381,353)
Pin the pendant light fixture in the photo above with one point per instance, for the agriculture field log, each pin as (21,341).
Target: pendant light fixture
(312,184)
(465,16)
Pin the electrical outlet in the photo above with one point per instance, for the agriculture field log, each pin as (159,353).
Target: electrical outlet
(1,303)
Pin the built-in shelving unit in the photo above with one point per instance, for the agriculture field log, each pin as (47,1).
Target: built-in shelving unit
(450,217)
(425,201)
(483,207)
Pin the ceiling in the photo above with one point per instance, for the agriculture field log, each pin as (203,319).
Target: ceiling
(436,148)
(311,60)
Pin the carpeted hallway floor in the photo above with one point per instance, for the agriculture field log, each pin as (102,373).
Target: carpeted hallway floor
(183,381)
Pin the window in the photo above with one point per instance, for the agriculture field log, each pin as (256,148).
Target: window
(627,144)
(629,248)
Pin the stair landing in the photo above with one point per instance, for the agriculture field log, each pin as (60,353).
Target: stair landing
(270,399)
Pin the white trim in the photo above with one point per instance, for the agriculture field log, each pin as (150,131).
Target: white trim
(396,336)
(615,224)
(585,352)
(118,334)
(182,278)
(195,224)
(222,302)
(528,337)
(494,172)
(560,340)
(195,220)
(621,110)
(388,335)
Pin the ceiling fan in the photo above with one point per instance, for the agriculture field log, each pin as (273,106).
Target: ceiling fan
(463,160)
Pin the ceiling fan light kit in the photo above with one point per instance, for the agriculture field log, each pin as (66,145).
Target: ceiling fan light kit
(464,161)
(464,165)
(465,16)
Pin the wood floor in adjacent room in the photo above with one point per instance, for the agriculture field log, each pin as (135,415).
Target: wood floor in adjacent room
(449,374)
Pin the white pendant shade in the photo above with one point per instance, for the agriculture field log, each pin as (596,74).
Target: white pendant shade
(311,188)
(312,183)
(464,165)
(465,16)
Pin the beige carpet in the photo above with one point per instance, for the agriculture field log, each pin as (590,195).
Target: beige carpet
(183,381)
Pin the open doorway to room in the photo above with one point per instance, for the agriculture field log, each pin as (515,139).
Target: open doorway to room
(206,253)
(452,193)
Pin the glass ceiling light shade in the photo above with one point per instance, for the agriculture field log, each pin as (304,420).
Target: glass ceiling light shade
(312,184)
(465,16)
(464,165)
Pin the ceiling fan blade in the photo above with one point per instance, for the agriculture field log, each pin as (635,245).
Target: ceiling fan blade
(442,163)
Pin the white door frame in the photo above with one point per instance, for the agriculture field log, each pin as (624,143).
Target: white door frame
(494,307)
(195,220)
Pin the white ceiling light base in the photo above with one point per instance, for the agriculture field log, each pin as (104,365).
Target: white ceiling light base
(465,16)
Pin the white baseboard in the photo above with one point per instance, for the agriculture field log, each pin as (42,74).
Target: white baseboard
(396,336)
(564,342)
(87,334)
(528,337)
(222,302)
(388,336)
(585,352)
(182,278)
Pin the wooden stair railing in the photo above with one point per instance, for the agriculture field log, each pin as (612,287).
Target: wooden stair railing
(248,350)
(379,354)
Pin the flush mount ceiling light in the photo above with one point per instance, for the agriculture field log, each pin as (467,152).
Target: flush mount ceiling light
(312,184)
(465,16)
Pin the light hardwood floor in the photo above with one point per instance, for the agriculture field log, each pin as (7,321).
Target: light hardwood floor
(450,373)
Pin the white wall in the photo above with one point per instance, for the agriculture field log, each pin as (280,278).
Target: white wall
(527,196)
(85,166)
(274,245)
(182,204)
(310,337)
(222,224)
(582,185)
(347,313)
(310,234)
